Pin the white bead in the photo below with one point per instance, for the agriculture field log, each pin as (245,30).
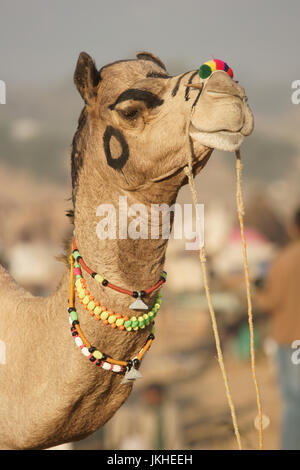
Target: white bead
(106,366)
(70,320)
(85,351)
(78,341)
(117,368)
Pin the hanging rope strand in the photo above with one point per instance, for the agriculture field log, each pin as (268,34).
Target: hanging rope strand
(189,172)
(240,211)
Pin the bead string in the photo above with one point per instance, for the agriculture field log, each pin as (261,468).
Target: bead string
(104,282)
(109,317)
(93,354)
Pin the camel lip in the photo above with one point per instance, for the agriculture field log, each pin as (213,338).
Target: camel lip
(194,129)
(222,140)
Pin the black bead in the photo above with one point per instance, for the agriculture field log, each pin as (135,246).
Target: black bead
(92,349)
(98,363)
(93,359)
(135,294)
(104,357)
(143,293)
(71,309)
(93,274)
(104,282)
(75,322)
(74,333)
(136,363)
(151,336)
(129,364)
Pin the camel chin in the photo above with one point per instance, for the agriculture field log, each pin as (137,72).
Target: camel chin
(221,140)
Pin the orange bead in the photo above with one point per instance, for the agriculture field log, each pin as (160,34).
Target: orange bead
(119,315)
(105,322)
(92,298)
(113,325)
(92,313)
(103,309)
(122,327)
(110,312)
(85,307)
(97,304)
(97,317)
(126,318)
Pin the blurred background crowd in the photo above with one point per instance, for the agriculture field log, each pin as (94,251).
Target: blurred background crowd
(180,403)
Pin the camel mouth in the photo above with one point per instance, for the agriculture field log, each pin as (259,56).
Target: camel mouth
(221,140)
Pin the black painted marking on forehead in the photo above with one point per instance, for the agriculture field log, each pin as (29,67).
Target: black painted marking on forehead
(151,58)
(115,163)
(150,99)
(187,90)
(157,75)
(176,87)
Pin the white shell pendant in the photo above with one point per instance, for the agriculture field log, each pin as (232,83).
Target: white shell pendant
(131,375)
(138,304)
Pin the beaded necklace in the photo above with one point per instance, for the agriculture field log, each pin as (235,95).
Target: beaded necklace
(138,295)
(109,317)
(93,354)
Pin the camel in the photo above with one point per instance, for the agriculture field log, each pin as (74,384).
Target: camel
(133,137)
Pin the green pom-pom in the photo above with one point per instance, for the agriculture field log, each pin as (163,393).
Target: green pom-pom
(205,71)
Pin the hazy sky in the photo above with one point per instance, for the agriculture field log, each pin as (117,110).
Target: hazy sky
(40,39)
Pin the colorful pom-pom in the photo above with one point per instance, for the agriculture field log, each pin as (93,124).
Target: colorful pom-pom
(211,66)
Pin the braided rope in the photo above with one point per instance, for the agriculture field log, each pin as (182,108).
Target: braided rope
(240,211)
(189,173)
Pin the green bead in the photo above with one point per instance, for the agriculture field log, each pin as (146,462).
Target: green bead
(141,323)
(127,324)
(73,315)
(134,323)
(76,254)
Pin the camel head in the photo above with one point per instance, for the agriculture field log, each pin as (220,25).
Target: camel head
(141,123)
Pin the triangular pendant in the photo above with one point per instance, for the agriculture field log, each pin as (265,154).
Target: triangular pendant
(138,304)
(131,375)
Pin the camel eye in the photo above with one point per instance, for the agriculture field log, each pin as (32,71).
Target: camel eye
(130,113)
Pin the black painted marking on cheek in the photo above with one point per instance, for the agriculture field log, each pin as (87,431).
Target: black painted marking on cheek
(187,90)
(176,87)
(116,163)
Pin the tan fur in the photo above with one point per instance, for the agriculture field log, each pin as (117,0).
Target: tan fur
(49,392)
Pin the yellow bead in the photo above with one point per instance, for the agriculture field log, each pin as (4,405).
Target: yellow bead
(86,299)
(98,354)
(81,294)
(91,305)
(133,319)
(119,321)
(145,316)
(78,283)
(99,278)
(112,319)
(97,310)
(136,328)
(140,318)
(104,315)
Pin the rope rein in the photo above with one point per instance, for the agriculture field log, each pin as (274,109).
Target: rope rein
(189,172)
(240,211)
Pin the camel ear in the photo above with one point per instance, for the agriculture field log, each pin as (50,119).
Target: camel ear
(86,77)
(149,56)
